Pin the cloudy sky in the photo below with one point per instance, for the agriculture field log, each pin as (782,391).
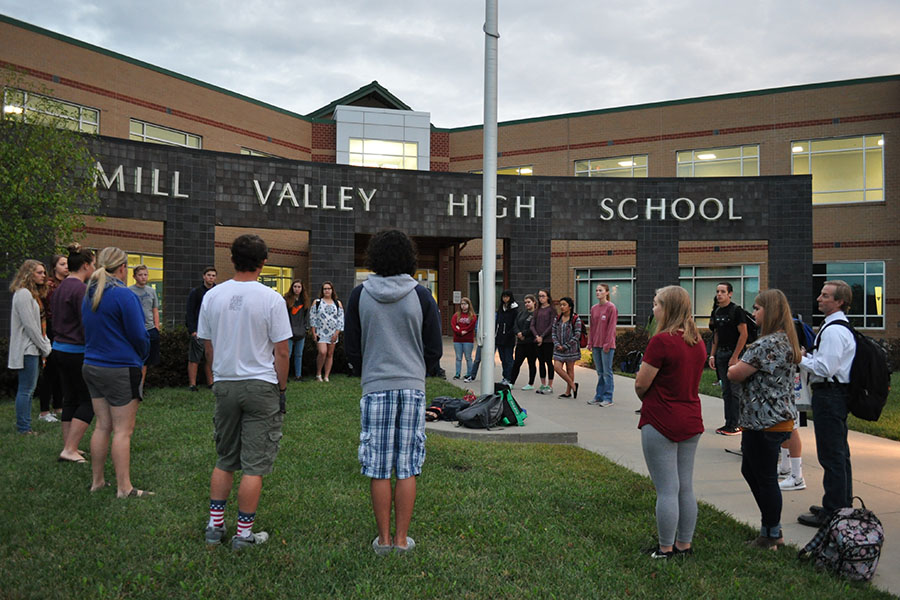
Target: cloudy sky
(555,57)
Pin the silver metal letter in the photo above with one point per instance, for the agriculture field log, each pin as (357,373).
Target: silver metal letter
(691,208)
(721,209)
(288,192)
(366,198)
(176,176)
(661,208)
(343,197)
(155,185)
(259,195)
(622,209)
(529,206)
(117,176)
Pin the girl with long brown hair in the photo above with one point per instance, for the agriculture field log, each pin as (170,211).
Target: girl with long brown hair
(297,301)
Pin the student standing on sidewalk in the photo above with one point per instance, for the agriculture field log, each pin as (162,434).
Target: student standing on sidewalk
(602,340)
(729,326)
(542,328)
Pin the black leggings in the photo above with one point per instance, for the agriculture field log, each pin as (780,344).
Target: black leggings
(525,351)
(545,359)
(77,403)
(50,385)
(759,450)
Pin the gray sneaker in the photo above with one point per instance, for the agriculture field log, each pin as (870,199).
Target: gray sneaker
(239,542)
(593,402)
(604,403)
(215,535)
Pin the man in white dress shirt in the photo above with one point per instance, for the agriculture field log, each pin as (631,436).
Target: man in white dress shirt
(829,376)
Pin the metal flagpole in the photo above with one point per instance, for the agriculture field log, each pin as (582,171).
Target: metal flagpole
(489,197)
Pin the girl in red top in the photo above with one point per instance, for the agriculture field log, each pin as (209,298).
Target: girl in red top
(668,385)
(463,325)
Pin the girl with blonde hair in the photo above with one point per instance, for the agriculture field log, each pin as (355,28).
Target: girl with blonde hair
(668,385)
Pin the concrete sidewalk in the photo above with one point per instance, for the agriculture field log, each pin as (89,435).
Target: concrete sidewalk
(612,432)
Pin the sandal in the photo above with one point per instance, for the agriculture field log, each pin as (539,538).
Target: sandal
(79,461)
(136,493)
(93,489)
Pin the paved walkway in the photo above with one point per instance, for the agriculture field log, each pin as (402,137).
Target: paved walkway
(613,432)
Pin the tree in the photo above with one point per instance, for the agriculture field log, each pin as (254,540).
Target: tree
(47,174)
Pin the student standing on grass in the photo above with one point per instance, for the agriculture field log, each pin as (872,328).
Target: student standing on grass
(602,340)
(729,326)
(150,304)
(297,301)
(196,348)
(764,379)
(27,341)
(50,389)
(245,329)
(394,332)
(116,343)
(668,385)
(68,346)
(326,319)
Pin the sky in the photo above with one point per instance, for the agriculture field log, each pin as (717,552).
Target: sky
(554,57)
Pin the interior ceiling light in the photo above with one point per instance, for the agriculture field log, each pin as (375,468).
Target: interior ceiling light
(881,142)
(797,149)
(12,110)
(626,163)
(706,156)
(525,171)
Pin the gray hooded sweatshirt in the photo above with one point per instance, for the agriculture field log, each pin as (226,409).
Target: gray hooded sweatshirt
(392,333)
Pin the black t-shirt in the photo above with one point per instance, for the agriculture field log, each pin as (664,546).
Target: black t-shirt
(724,321)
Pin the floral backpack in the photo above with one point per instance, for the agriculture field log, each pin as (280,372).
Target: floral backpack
(849,544)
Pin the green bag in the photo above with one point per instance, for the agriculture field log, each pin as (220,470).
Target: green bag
(513,414)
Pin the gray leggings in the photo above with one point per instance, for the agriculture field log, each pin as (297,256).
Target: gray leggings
(671,466)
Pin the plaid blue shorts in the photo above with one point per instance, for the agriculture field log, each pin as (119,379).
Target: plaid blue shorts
(393,433)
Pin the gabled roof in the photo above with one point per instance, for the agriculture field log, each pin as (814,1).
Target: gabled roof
(372,94)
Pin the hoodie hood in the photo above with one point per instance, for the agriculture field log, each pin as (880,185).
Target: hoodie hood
(387,290)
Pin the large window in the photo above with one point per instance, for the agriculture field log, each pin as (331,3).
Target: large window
(157,134)
(866,281)
(737,161)
(619,166)
(154,270)
(701,282)
(621,291)
(843,169)
(475,295)
(38,108)
(277,278)
(383,154)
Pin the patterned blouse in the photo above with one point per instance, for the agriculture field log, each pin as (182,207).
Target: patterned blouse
(567,335)
(767,397)
(327,319)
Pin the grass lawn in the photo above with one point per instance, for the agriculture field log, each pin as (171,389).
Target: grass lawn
(491,521)
(887,426)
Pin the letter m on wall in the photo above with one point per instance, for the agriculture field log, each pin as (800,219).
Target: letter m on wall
(118,178)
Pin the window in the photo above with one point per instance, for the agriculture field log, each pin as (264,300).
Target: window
(154,270)
(252,152)
(701,282)
(35,108)
(621,291)
(475,294)
(843,169)
(383,154)
(866,281)
(157,134)
(523,170)
(277,278)
(618,166)
(738,161)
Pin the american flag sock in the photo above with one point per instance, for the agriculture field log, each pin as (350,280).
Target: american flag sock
(245,523)
(217,513)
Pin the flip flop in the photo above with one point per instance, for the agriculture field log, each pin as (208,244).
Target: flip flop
(71,460)
(92,489)
(136,493)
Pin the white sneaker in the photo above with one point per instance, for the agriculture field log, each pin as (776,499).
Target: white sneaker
(792,483)
(48,418)
(783,471)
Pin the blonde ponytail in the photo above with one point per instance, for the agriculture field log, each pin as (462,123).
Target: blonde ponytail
(108,261)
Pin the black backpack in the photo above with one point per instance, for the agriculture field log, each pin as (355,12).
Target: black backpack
(870,375)
(486,412)
(445,408)
(752,327)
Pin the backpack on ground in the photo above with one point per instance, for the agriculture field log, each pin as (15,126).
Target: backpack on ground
(445,408)
(849,544)
(486,412)
(513,414)
(870,375)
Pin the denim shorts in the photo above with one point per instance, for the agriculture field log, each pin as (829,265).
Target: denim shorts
(393,433)
(248,423)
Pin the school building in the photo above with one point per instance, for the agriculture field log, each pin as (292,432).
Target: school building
(781,187)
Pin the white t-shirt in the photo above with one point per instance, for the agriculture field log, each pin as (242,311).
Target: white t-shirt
(243,320)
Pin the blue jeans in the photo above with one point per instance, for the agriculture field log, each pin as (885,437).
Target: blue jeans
(603,362)
(473,372)
(297,349)
(830,416)
(506,361)
(463,349)
(759,466)
(28,377)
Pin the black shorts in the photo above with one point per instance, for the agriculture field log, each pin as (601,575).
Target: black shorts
(196,350)
(153,357)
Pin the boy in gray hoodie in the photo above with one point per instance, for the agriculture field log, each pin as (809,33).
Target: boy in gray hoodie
(392,337)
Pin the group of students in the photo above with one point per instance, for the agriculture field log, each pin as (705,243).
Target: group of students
(89,330)
(324,318)
(546,337)
(762,379)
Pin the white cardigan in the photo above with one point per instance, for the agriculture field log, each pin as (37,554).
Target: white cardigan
(25,335)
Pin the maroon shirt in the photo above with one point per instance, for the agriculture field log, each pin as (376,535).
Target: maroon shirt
(66,306)
(672,404)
